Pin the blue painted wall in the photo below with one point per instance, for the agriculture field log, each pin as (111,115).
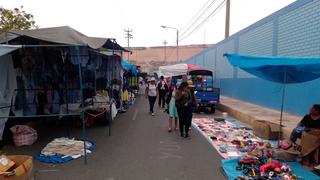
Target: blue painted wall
(291,31)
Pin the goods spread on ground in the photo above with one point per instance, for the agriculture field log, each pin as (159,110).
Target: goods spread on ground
(63,149)
(245,155)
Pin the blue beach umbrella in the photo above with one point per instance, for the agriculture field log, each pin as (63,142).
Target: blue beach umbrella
(284,70)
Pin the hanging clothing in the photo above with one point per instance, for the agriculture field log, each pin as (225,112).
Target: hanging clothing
(7,86)
(125,96)
(30,104)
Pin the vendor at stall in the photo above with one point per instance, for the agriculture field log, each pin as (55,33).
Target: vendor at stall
(309,121)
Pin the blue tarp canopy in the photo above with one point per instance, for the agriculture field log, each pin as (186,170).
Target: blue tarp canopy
(278,69)
(126,65)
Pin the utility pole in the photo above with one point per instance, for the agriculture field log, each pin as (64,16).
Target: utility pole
(128,36)
(177,39)
(165,50)
(178,45)
(227,19)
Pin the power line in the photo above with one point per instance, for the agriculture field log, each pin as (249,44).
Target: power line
(195,15)
(205,20)
(199,17)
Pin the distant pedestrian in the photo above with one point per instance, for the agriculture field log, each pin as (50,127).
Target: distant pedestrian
(173,113)
(163,89)
(151,94)
(183,100)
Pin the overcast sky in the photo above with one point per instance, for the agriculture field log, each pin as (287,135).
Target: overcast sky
(109,18)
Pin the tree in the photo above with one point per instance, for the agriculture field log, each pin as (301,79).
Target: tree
(16,19)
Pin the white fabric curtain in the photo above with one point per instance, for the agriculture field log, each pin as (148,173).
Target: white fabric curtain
(8,84)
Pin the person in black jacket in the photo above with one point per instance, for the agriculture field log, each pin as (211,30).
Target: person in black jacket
(308,122)
(193,104)
(183,100)
(163,89)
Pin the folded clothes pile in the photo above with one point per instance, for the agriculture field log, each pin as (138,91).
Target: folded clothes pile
(64,149)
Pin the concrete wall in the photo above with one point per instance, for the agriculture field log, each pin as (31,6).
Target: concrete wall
(291,31)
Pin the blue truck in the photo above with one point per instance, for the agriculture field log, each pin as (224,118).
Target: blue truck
(207,96)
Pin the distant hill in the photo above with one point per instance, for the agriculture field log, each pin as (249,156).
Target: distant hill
(150,58)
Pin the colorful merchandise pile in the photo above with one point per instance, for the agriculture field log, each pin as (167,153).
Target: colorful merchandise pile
(246,156)
(263,168)
(61,150)
(230,140)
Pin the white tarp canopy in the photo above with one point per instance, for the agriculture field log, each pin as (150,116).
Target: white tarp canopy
(6,49)
(176,69)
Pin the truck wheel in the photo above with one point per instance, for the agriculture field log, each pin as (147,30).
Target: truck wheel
(213,109)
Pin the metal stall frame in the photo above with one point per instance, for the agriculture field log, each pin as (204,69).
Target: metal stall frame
(81,114)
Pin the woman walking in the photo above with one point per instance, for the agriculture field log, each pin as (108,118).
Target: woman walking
(183,100)
(193,105)
(173,113)
(151,94)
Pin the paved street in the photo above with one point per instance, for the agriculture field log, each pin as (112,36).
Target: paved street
(140,148)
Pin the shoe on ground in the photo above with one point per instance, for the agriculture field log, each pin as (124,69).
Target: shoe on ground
(169,130)
(152,114)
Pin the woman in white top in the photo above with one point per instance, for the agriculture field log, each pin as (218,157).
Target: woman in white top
(151,93)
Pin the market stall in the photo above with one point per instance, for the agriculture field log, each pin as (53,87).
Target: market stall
(265,162)
(130,81)
(283,70)
(55,73)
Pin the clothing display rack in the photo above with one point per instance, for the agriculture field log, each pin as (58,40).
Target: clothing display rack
(81,113)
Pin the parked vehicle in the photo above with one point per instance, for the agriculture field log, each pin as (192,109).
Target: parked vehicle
(207,96)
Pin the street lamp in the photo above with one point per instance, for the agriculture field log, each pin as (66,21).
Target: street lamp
(177,39)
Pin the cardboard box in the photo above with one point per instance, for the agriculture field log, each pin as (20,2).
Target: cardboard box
(266,130)
(310,147)
(23,169)
(5,163)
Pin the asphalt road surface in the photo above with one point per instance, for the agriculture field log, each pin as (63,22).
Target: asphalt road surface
(139,148)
